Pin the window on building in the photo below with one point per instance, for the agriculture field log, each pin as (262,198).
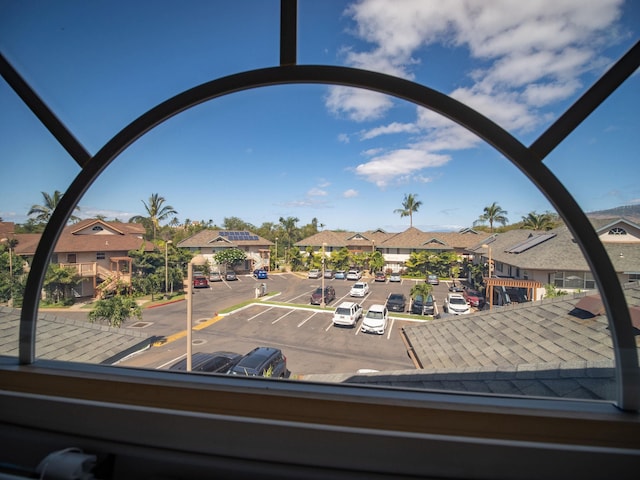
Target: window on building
(100,255)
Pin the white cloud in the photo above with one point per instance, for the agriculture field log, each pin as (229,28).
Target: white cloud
(317,192)
(394,127)
(343,138)
(531,57)
(351,193)
(394,166)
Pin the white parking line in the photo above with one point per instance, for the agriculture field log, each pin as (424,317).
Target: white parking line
(307,319)
(330,325)
(280,318)
(171,362)
(258,314)
(390,329)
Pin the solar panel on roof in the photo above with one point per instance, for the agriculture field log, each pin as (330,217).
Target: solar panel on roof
(530,242)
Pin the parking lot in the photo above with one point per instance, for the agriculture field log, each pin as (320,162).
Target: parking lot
(285,319)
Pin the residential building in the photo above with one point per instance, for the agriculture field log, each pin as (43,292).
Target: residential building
(98,250)
(554,257)
(210,242)
(396,248)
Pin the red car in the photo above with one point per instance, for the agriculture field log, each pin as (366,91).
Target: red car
(474,298)
(200,282)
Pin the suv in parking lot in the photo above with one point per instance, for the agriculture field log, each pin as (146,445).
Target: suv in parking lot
(474,298)
(433,279)
(200,281)
(347,314)
(329,295)
(456,304)
(216,362)
(262,362)
(359,289)
(354,275)
(422,305)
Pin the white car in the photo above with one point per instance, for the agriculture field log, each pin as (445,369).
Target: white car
(314,273)
(354,275)
(375,321)
(359,289)
(347,314)
(395,277)
(456,304)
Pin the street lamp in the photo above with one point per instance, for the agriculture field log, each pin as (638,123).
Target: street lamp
(489,288)
(10,245)
(275,263)
(197,260)
(166,268)
(322,304)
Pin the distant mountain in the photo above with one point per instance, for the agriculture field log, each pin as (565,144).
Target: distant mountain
(631,212)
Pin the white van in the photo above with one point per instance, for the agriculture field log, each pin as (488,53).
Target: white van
(347,314)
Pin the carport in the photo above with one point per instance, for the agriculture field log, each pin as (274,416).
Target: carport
(530,285)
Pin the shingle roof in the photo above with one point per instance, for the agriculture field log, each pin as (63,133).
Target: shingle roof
(560,252)
(61,338)
(536,349)
(207,238)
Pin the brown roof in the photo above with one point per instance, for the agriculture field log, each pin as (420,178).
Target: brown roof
(207,238)
(125,237)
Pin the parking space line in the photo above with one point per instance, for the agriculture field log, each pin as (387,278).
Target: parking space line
(330,325)
(307,319)
(390,329)
(258,314)
(280,318)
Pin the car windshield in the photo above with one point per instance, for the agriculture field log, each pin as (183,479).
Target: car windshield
(457,301)
(375,315)
(343,311)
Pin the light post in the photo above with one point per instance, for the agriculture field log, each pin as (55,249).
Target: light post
(10,245)
(322,304)
(275,263)
(166,268)
(489,288)
(197,260)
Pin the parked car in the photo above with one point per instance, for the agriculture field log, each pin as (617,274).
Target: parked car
(314,273)
(230,276)
(473,298)
(354,275)
(376,319)
(329,295)
(380,277)
(396,302)
(395,277)
(260,274)
(347,314)
(328,273)
(359,289)
(262,362)
(433,279)
(216,362)
(200,281)
(456,287)
(422,305)
(456,304)
(340,275)
(215,277)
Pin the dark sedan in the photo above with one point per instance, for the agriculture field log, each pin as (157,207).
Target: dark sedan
(216,362)
(396,302)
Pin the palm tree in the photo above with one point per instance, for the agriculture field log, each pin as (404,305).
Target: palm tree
(493,214)
(288,225)
(409,206)
(156,211)
(43,212)
(534,221)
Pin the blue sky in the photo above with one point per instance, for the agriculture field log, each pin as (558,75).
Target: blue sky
(344,156)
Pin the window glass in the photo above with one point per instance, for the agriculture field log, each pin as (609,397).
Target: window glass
(284,169)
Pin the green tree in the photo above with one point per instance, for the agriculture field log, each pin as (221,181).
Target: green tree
(493,214)
(341,259)
(115,310)
(237,224)
(59,281)
(289,229)
(230,256)
(42,213)
(534,221)
(157,211)
(409,206)
(421,288)
(376,261)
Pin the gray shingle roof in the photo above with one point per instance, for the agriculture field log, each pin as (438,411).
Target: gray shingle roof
(545,348)
(60,338)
